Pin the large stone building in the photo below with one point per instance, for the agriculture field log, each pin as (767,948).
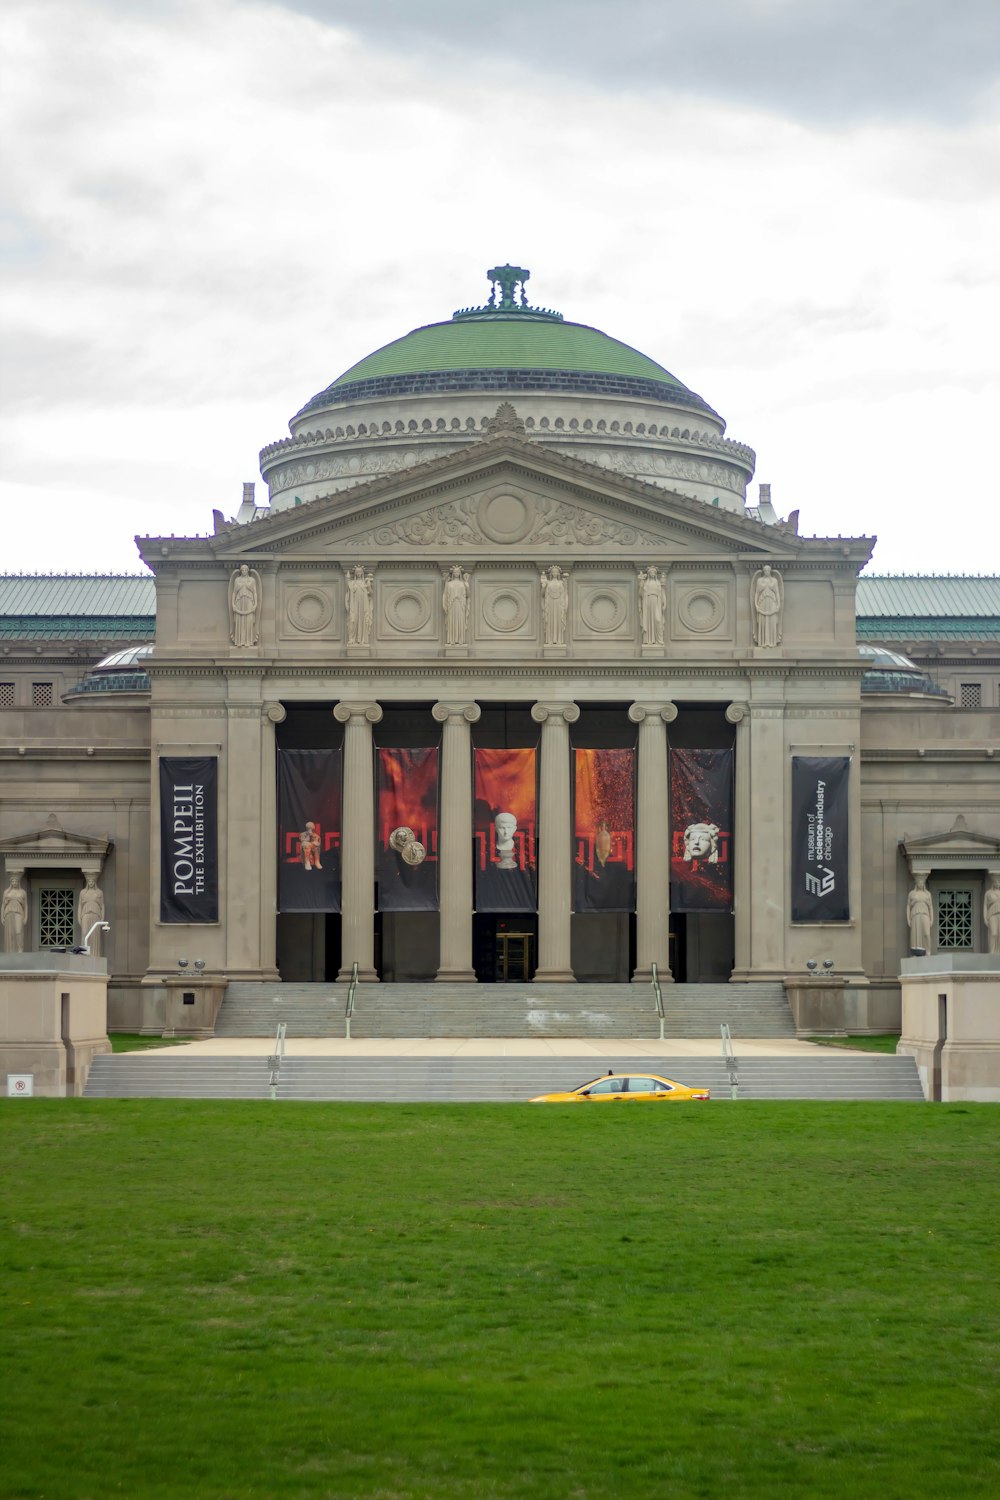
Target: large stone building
(513,559)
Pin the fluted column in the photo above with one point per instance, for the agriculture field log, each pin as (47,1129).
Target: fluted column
(652,854)
(739,714)
(357,861)
(555,843)
(274,714)
(455,840)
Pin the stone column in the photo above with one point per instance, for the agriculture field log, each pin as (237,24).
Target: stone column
(761,828)
(652,861)
(739,714)
(274,714)
(455,842)
(555,843)
(357,863)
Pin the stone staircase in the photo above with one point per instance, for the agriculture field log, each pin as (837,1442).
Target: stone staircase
(499,1010)
(829,1075)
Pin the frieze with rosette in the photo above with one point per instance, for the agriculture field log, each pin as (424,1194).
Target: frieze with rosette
(603,609)
(310,609)
(407,609)
(702,610)
(505,609)
(499,519)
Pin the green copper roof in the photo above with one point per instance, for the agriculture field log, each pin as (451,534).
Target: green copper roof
(495,341)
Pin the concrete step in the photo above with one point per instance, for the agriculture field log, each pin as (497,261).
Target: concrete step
(845,1076)
(465,1010)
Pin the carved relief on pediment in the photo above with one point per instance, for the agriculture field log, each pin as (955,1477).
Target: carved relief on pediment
(502,517)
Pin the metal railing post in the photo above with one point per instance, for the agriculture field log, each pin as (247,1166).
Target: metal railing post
(657,996)
(729,1058)
(352,990)
(277,1058)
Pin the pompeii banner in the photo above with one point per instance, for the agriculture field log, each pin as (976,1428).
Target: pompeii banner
(308,830)
(820,787)
(189,839)
(701,822)
(504,825)
(406,860)
(604,857)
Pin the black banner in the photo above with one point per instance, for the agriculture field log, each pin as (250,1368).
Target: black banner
(820,786)
(189,839)
(406,849)
(701,823)
(504,830)
(604,830)
(308,830)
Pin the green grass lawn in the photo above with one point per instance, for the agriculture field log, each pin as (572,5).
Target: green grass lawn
(418,1302)
(884,1042)
(134,1041)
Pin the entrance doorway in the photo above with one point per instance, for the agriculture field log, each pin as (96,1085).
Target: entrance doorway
(504,949)
(702,947)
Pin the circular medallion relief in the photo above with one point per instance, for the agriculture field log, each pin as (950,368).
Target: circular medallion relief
(603,611)
(505,610)
(506,518)
(701,610)
(310,609)
(408,611)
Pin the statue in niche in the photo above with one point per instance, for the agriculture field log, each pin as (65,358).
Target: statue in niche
(920,915)
(360,605)
(244,606)
(456,607)
(652,605)
(14,915)
(90,909)
(555,605)
(991,914)
(767,594)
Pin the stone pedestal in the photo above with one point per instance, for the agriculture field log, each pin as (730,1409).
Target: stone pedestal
(358,833)
(951,1024)
(455,852)
(555,846)
(53,1019)
(652,854)
(191,1005)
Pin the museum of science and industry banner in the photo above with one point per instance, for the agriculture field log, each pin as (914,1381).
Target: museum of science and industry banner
(604,830)
(189,839)
(504,830)
(308,830)
(820,786)
(701,824)
(406,844)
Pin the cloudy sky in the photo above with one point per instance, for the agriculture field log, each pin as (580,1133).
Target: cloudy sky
(210,208)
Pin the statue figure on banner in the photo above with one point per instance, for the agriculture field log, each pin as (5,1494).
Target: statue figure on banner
(360,605)
(505,827)
(701,841)
(767,594)
(991,914)
(456,606)
(14,915)
(652,605)
(555,605)
(920,915)
(309,847)
(244,606)
(602,843)
(90,909)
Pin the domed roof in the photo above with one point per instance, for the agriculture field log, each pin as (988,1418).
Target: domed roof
(506,345)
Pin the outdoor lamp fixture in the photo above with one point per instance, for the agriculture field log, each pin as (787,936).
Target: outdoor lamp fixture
(182,963)
(104,926)
(827,965)
(811,965)
(199,964)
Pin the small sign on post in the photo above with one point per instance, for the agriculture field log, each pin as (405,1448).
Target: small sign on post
(20,1085)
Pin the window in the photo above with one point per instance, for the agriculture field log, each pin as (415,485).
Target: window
(41,694)
(970,695)
(55,917)
(6,695)
(954,919)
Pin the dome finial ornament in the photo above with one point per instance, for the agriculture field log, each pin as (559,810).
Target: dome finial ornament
(509,282)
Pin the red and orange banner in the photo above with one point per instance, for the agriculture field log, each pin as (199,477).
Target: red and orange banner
(504,825)
(604,831)
(701,823)
(308,830)
(406,848)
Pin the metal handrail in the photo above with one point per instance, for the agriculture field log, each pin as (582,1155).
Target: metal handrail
(658,997)
(352,990)
(729,1058)
(277,1058)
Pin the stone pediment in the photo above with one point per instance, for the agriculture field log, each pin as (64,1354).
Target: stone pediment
(54,846)
(957,848)
(506,496)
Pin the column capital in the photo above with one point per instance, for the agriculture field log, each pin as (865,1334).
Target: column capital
(737,712)
(470,712)
(640,711)
(276,713)
(358,712)
(541,712)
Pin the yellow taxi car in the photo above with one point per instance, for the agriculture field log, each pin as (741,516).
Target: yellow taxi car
(622,1087)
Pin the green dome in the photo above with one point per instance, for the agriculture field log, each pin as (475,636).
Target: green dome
(503,347)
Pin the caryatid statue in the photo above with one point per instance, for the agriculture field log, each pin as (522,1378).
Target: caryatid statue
(652,605)
(555,605)
(90,909)
(360,605)
(14,915)
(920,914)
(455,600)
(767,594)
(244,606)
(991,914)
